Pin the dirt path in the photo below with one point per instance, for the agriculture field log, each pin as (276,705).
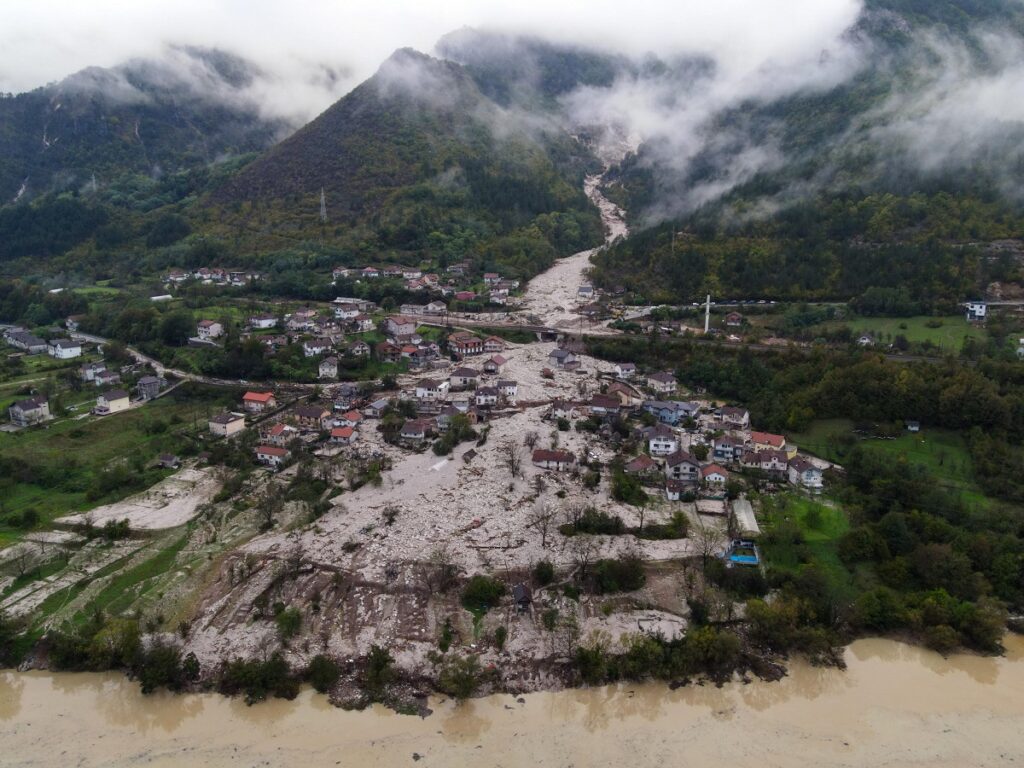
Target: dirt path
(552,295)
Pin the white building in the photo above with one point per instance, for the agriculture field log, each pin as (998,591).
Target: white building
(64,349)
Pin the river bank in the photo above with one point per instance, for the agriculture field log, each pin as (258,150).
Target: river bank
(894,705)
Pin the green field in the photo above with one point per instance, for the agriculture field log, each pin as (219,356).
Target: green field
(942,451)
(949,336)
(59,463)
(821,525)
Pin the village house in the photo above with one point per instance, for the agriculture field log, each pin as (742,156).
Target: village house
(585,292)
(734,319)
(491,278)
(112,401)
(674,489)
(272,455)
(774,462)
(416,430)
(805,474)
(625,370)
(339,272)
(208,330)
(487,397)
(682,466)
(346,311)
(604,405)
(494,344)
(494,364)
(363,323)
(25,341)
(316,346)
(349,419)
(106,378)
(370,273)
(563,409)
(431,389)
(89,371)
(641,465)
(396,325)
(376,409)
(64,349)
(766,441)
(465,344)
(553,459)
(312,417)
(865,340)
(388,352)
(714,476)
(662,382)
(976,311)
(509,389)
(661,440)
(148,387)
(560,358)
(463,378)
(358,349)
(465,296)
(666,411)
(73,322)
(258,402)
(435,308)
(226,424)
(262,322)
(627,395)
(735,417)
(328,368)
(499,298)
(343,435)
(726,448)
(32,410)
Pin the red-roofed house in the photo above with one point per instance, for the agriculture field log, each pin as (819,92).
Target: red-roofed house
(557,460)
(271,455)
(258,402)
(343,435)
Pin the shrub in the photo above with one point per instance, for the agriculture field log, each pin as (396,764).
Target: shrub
(624,574)
(258,679)
(500,636)
(379,669)
(289,622)
(322,673)
(459,677)
(543,573)
(482,593)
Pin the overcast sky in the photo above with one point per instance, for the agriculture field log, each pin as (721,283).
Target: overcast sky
(44,40)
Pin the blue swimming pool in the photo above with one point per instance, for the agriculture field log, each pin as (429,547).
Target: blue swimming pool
(744,559)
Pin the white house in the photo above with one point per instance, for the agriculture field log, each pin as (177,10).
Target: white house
(33,410)
(977,311)
(662,441)
(508,388)
(461,378)
(227,424)
(317,346)
(487,396)
(682,466)
(208,330)
(329,368)
(346,311)
(271,455)
(431,389)
(397,325)
(805,474)
(262,322)
(663,382)
(112,401)
(557,460)
(64,349)
(625,370)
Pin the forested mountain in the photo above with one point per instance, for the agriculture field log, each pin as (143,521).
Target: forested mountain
(894,176)
(418,161)
(146,117)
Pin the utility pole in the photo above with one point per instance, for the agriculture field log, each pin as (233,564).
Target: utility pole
(707,315)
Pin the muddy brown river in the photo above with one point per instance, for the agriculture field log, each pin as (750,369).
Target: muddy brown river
(895,705)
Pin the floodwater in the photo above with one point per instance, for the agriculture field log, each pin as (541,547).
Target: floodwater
(895,705)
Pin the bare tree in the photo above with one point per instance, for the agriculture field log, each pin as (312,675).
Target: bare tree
(573,513)
(441,570)
(530,439)
(709,541)
(568,634)
(541,520)
(584,552)
(512,457)
(268,507)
